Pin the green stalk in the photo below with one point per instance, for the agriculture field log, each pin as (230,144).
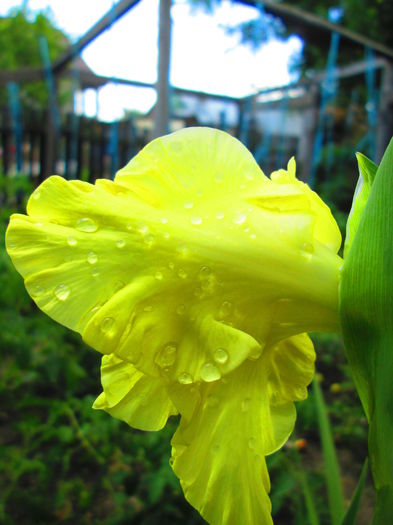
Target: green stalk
(332,469)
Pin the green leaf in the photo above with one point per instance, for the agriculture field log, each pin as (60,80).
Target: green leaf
(367,172)
(352,511)
(332,469)
(366,310)
(309,499)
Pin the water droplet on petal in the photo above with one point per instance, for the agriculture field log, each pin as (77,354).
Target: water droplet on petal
(149,240)
(220,215)
(196,219)
(159,276)
(62,292)
(211,402)
(226,309)
(188,205)
(183,250)
(246,404)
(182,273)
(118,285)
(108,325)
(252,443)
(166,235)
(37,194)
(92,258)
(167,356)
(255,353)
(95,272)
(163,220)
(307,250)
(120,243)
(11,244)
(36,290)
(239,218)
(86,225)
(142,227)
(204,272)
(209,372)
(185,378)
(129,227)
(181,309)
(253,236)
(220,356)
(71,241)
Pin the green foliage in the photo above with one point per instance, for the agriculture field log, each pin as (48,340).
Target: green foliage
(19,44)
(366,308)
(332,469)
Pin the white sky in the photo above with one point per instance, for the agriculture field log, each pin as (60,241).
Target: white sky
(203,56)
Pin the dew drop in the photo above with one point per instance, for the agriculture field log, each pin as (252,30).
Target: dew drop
(62,292)
(246,404)
(163,220)
(92,258)
(71,241)
(255,354)
(253,236)
(171,265)
(118,285)
(149,240)
(86,225)
(183,250)
(36,291)
(252,443)
(107,325)
(166,235)
(39,224)
(226,309)
(129,227)
(220,215)
(307,251)
(239,218)
(182,273)
(181,309)
(188,205)
(142,227)
(95,273)
(159,276)
(36,194)
(120,243)
(196,219)
(221,356)
(167,356)
(11,244)
(204,272)
(209,372)
(211,402)
(185,378)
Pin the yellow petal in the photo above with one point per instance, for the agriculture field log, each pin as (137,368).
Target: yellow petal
(141,401)
(219,454)
(180,267)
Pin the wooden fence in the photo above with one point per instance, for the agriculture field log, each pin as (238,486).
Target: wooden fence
(75,147)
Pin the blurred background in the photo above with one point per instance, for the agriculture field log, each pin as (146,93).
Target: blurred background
(84,85)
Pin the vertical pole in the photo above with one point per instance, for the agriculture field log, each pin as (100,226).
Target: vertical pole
(161,109)
(306,140)
(385,117)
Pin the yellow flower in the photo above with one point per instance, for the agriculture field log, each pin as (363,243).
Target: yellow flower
(198,277)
